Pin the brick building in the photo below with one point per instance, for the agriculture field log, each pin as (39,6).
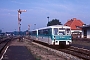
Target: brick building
(75,24)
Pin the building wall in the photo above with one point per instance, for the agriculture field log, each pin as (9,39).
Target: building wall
(88,33)
(76,30)
(76,33)
(82,34)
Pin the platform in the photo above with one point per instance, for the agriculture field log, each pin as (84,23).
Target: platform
(17,51)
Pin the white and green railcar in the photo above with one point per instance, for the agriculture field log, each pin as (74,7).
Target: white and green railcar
(57,34)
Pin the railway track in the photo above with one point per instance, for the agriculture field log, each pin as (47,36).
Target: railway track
(79,52)
(75,51)
(3,44)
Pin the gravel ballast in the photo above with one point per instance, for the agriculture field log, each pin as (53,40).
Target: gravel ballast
(45,53)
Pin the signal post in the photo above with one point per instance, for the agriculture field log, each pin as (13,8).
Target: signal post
(19,20)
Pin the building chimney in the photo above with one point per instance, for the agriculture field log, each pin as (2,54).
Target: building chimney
(74,18)
(84,24)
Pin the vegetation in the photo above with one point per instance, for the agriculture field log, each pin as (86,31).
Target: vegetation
(0,31)
(54,22)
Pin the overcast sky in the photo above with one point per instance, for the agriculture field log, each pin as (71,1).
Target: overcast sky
(38,10)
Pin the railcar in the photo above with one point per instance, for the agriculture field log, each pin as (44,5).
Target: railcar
(53,35)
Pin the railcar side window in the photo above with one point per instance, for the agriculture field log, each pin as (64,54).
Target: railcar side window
(55,31)
(40,32)
(46,32)
(34,32)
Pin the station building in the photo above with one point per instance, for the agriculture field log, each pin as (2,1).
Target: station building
(75,25)
(86,31)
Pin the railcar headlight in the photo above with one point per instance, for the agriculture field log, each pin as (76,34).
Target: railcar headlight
(69,42)
(56,41)
(54,36)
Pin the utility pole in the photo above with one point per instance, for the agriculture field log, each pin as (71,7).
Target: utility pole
(34,26)
(28,27)
(19,19)
(48,18)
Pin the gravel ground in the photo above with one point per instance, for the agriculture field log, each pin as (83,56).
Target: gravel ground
(42,53)
(85,43)
(47,53)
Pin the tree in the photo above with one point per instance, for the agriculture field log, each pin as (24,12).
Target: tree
(54,22)
(0,31)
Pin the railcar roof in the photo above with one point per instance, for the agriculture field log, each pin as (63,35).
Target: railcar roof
(34,30)
(55,26)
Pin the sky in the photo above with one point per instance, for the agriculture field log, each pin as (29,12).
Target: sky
(38,11)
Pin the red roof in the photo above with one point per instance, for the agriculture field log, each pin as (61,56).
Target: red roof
(74,24)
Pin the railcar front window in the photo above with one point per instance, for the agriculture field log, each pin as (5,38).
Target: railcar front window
(68,31)
(61,32)
(61,28)
(55,31)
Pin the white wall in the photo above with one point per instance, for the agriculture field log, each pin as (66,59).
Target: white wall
(82,34)
(76,31)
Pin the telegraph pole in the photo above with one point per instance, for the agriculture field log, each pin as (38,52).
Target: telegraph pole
(48,18)
(19,19)
(28,27)
(34,26)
